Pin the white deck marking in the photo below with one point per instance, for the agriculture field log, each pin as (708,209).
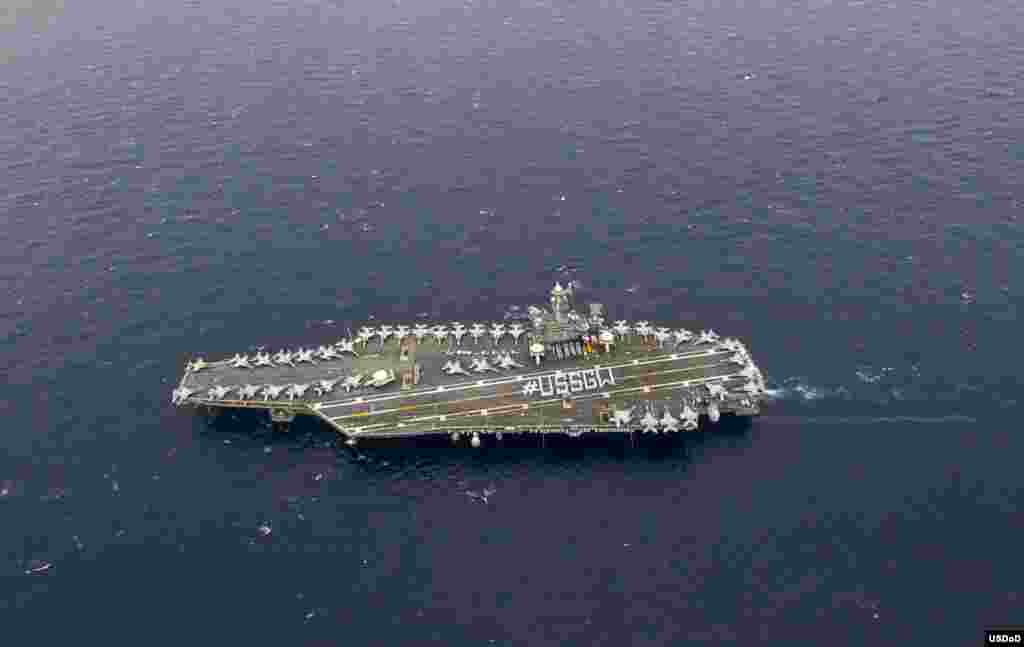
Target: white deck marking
(408,407)
(459,386)
(540,403)
(463,414)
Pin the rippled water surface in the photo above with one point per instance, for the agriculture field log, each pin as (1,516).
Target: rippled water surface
(837,183)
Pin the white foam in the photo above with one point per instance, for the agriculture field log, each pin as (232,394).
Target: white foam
(796,389)
(866,420)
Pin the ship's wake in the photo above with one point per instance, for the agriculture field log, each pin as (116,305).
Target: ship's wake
(800,388)
(869,387)
(890,386)
(866,420)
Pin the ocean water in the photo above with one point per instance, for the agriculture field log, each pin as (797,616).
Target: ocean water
(837,183)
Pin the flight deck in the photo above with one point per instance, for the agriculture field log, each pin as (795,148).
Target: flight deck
(558,372)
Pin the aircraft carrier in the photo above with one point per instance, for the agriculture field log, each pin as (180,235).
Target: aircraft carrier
(557,371)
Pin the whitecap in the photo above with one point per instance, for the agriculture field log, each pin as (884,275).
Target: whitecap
(799,388)
(37,566)
(866,377)
(809,392)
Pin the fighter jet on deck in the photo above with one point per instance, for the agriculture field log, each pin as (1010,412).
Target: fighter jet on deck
(297,390)
(753,388)
(248,392)
(181,394)
(353,382)
(323,387)
(239,361)
(419,331)
(327,352)
(714,413)
(516,331)
(643,328)
(218,392)
(384,332)
(669,422)
(682,336)
(284,357)
(366,334)
(271,391)
(498,331)
(707,337)
(507,362)
(690,418)
(458,331)
(454,367)
(262,359)
(751,373)
(662,335)
(731,344)
(347,346)
(401,332)
(197,365)
(622,417)
(716,391)
(305,356)
(440,333)
(481,365)
(649,422)
(476,331)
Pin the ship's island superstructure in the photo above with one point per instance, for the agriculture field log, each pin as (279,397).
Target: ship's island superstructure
(556,371)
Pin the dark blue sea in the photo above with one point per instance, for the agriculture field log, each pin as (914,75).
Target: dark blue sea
(840,184)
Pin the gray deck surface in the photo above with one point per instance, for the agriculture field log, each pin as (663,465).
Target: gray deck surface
(426,408)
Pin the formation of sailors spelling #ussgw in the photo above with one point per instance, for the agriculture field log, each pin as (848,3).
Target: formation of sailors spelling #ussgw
(558,372)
